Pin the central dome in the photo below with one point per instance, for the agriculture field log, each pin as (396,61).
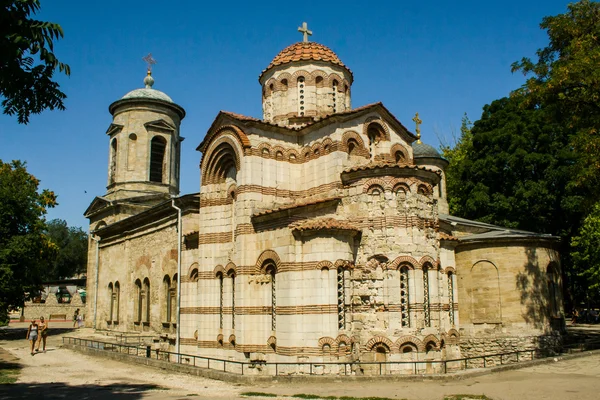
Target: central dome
(305,51)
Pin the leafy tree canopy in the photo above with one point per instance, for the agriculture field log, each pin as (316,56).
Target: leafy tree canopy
(27,61)
(566,76)
(72,245)
(512,168)
(25,252)
(586,254)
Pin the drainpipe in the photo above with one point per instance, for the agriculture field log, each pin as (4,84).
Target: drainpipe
(178,329)
(97,240)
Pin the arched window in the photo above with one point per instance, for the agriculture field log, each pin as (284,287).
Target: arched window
(232,275)
(116,302)
(451,297)
(399,156)
(221,290)
(113,162)
(341,298)
(173,300)
(167,297)
(334,95)
(553,287)
(131,151)
(157,158)
(404,297)
(376,133)
(111,301)
(426,304)
(300,85)
(146,301)
(137,303)
(271,269)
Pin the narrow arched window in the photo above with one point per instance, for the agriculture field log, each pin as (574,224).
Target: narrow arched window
(334,95)
(341,298)
(167,297)
(137,304)
(451,297)
(146,298)
(221,290)
(404,297)
(111,301)
(232,274)
(271,269)
(173,300)
(426,304)
(300,85)
(157,158)
(113,162)
(117,301)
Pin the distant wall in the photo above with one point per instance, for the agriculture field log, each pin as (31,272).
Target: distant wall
(52,308)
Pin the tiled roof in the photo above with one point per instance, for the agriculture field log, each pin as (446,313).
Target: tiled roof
(323,223)
(387,164)
(295,205)
(306,51)
(445,236)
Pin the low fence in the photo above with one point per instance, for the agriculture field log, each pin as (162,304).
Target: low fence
(421,367)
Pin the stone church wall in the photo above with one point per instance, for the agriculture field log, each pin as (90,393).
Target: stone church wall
(505,299)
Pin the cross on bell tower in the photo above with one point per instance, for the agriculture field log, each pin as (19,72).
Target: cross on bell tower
(305,31)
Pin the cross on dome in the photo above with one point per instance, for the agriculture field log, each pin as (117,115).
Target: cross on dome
(418,123)
(305,31)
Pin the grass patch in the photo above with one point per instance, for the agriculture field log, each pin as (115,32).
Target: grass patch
(467,397)
(8,375)
(258,394)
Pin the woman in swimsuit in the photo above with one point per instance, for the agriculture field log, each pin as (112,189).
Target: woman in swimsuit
(43,334)
(32,333)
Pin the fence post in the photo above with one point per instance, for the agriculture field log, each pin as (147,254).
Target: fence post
(310,369)
(484,362)
(276,369)
(518,356)
(445,366)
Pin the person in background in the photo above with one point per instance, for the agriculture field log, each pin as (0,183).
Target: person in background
(43,328)
(75,317)
(32,333)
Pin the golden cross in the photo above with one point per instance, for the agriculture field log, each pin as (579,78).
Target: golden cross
(305,31)
(418,122)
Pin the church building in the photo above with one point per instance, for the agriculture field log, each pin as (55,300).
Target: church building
(321,233)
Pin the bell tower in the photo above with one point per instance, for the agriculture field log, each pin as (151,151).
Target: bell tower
(144,143)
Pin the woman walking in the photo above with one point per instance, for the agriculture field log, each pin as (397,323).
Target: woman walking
(32,333)
(43,328)
(75,318)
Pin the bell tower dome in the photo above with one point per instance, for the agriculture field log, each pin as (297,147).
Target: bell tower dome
(145,144)
(305,81)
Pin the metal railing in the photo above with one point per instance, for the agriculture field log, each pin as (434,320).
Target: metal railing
(416,367)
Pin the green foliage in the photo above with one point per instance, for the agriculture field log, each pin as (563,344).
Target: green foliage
(458,157)
(586,251)
(72,246)
(26,84)
(512,168)
(25,252)
(566,76)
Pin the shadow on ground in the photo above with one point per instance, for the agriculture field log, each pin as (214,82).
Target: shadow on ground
(21,333)
(63,391)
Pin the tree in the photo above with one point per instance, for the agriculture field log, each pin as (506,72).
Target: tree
(566,76)
(25,252)
(512,168)
(71,244)
(586,252)
(458,155)
(26,84)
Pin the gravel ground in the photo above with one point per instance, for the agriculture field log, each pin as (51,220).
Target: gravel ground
(61,373)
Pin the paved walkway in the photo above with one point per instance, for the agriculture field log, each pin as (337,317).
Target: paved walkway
(62,373)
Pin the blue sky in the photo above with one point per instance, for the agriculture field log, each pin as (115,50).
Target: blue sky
(438,58)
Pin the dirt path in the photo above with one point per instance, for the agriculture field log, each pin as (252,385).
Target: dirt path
(62,373)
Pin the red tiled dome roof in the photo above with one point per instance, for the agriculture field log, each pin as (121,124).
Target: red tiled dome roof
(305,51)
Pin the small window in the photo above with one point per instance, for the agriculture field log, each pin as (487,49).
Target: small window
(157,158)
